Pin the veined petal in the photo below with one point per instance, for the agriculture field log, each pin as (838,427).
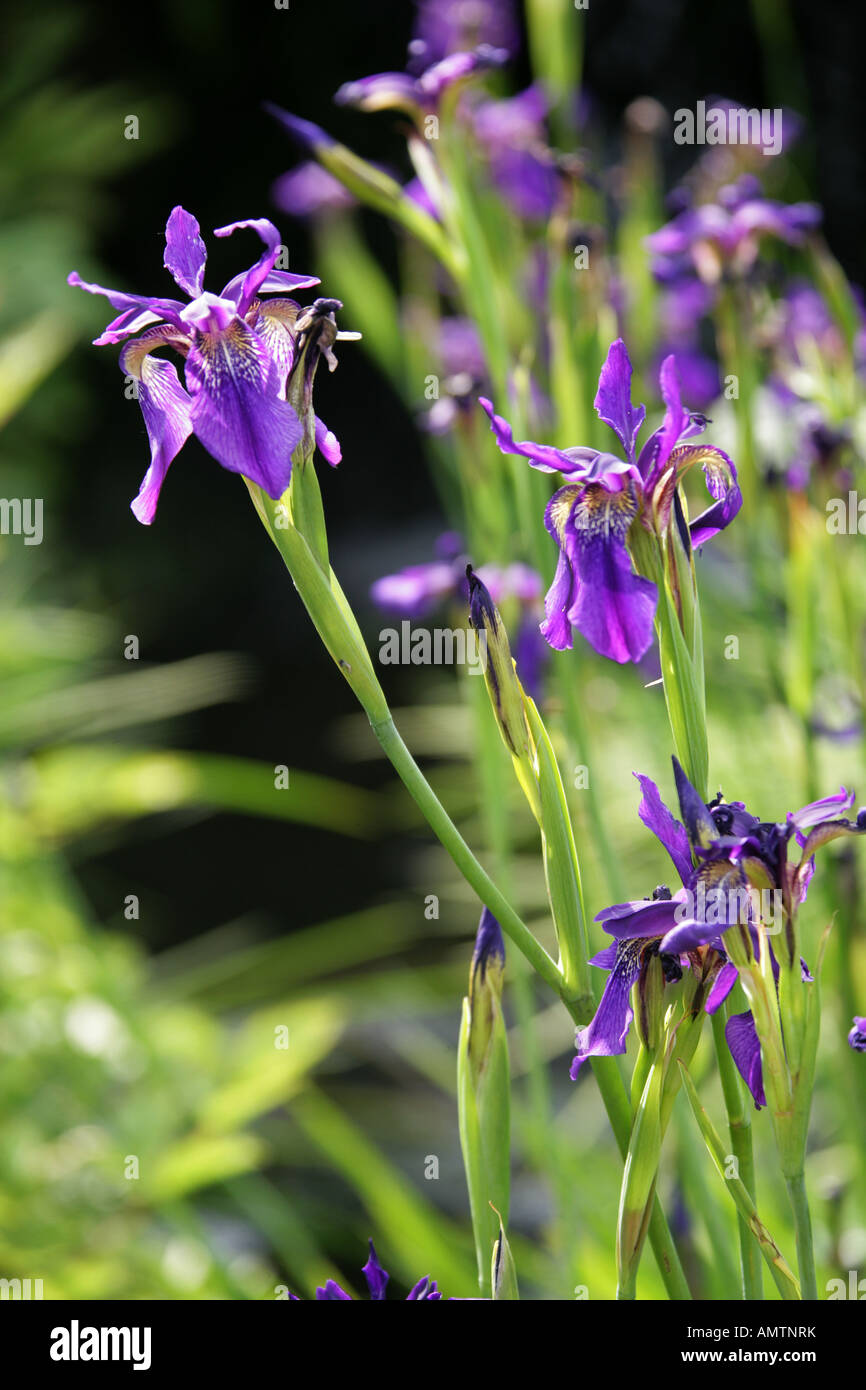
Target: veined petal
(253,279)
(606,1035)
(665,826)
(166,408)
(185,255)
(541,456)
(721,987)
(274,322)
(819,836)
(563,591)
(742,1039)
(237,411)
(721,479)
(613,398)
(131,307)
(614,607)
(828,808)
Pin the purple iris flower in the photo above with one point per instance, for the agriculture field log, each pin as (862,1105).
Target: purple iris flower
(400,91)
(463,371)
(309,190)
(711,236)
(443,27)
(238,350)
(377,1279)
(512,135)
(417,590)
(596,588)
(857,1036)
(718,849)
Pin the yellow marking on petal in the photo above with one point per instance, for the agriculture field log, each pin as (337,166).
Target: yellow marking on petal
(601,512)
(560,508)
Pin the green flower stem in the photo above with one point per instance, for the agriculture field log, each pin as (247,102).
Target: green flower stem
(333,620)
(803,1227)
(740,1128)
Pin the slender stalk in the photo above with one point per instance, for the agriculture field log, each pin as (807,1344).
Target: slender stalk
(336,625)
(740,1129)
(803,1228)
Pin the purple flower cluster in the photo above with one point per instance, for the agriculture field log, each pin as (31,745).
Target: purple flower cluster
(717,850)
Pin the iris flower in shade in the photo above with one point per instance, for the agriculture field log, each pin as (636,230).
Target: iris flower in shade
(377,1279)
(309,191)
(726,233)
(418,96)
(448,26)
(238,350)
(417,590)
(596,588)
(513,137)
(719,849)
(857,1036)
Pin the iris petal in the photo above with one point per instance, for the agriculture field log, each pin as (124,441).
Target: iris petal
(742,1039)
(253,279)
(606,1035)
(166,408)
(237,411)
(665,826)
(132,309)
(613,399)
(541,456)
(185,255)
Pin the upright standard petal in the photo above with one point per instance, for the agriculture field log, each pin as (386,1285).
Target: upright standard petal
(701,827)
(665,826)
(254,278)
(375,1275)
(237,411)
(613,399)
(166,408)
(185,255)
(742,1039)
(721,479)
(655,454)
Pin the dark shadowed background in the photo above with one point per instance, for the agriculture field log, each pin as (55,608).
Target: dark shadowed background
(203,577)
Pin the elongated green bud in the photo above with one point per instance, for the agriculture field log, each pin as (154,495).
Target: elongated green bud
(483,1093)
(639,1179)
(506,693)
